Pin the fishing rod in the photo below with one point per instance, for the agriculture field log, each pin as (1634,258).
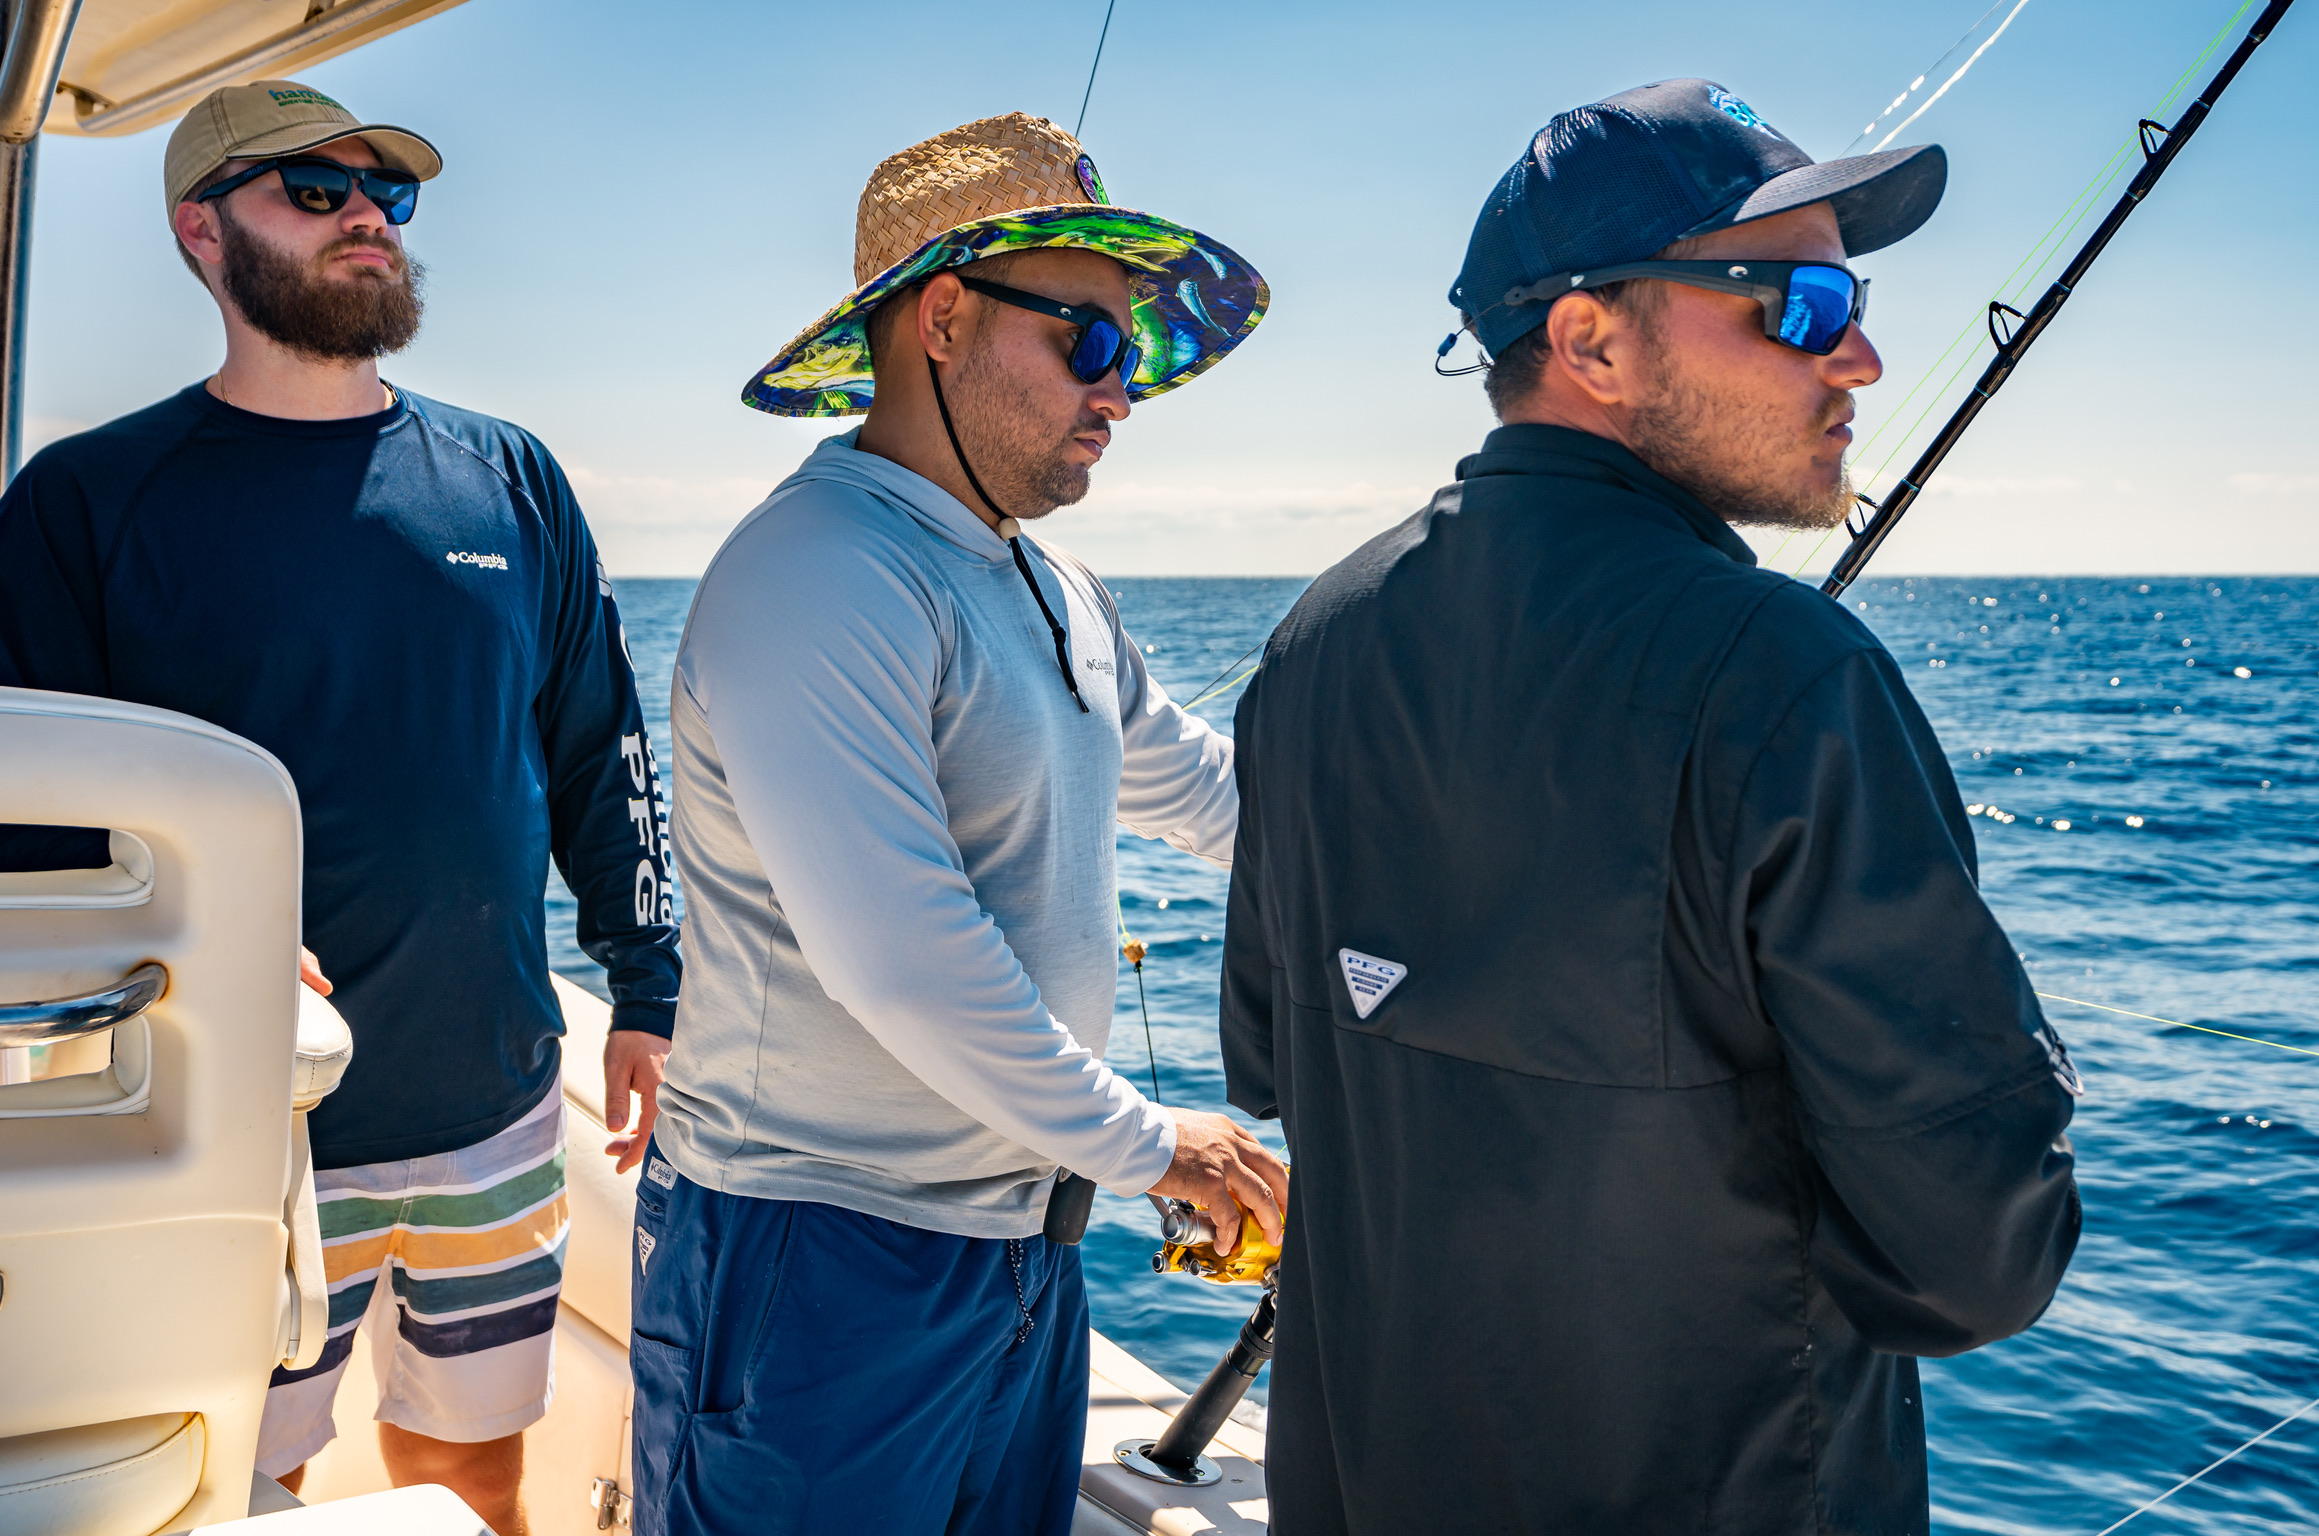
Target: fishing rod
(2013,333)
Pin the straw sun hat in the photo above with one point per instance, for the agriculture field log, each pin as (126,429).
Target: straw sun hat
(1012,183)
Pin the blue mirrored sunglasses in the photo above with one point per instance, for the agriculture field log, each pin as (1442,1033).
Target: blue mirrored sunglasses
(1101,344)
(1807,305)
(323,186)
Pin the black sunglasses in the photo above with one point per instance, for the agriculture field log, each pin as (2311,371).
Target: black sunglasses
(1100,345)
(1807,305)
(323,186)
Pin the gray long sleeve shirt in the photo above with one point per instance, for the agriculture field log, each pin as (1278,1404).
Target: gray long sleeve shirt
(894,831)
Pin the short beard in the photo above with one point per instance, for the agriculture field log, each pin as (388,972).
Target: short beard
(1013,456)
(1723,447)
(365,316)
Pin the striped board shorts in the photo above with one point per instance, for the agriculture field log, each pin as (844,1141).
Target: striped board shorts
(452,1265)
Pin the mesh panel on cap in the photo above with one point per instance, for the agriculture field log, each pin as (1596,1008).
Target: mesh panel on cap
(1492,249)
(1651,204)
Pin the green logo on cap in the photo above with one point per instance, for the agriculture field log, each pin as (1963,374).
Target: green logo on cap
(302,97)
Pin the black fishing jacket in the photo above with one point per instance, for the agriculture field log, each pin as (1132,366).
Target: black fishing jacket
(1709,1092)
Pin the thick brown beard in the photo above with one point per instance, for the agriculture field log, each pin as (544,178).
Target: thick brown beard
(1712,443)
(1023,467)
(365,316)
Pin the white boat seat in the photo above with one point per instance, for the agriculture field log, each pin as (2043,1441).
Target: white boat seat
(325,1048)
(146,1225)
(101,1479)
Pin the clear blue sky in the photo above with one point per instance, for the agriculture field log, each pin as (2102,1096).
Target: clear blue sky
(642,202)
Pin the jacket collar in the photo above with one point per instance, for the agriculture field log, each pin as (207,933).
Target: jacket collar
(1530,449)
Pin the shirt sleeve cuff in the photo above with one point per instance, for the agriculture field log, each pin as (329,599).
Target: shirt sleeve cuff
(1151,1164)
(652,1016)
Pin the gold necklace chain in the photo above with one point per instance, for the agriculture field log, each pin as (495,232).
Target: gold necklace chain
(218,379)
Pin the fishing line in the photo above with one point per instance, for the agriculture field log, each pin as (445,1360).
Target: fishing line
(2202,1471)
(2178,1024)
(1132,950)
(2017,282)
(1959,75)
(1932,69)
(1211,690)
(1098,64)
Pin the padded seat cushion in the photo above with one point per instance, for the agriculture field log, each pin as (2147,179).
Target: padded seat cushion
(325,1046)
(125,1478)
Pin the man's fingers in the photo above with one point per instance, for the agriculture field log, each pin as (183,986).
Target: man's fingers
(1258,1198)
(617,1074)
(633,1153)
(1224,1216)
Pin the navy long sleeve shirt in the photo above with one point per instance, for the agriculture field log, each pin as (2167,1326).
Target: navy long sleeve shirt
(408,611)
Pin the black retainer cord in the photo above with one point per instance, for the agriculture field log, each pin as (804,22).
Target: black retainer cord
(1014,543)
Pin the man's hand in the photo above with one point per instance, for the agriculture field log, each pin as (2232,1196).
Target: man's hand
(1223,1169)
(310,972)
(634,1062)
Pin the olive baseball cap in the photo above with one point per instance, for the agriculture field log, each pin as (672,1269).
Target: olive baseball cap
(278,117)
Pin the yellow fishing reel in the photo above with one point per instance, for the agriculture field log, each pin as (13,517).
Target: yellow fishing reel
(1188,1246)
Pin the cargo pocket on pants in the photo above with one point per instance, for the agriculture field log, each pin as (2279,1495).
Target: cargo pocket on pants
(662,1426)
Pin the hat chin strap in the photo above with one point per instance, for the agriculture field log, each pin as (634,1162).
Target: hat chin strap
(1011,531)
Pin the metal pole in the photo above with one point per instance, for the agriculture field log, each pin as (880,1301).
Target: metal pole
(2160,145)
(17,162)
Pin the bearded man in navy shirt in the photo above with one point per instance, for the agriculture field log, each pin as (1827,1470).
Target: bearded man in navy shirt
(401,601)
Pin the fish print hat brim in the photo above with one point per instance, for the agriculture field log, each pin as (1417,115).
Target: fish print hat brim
(1197,301)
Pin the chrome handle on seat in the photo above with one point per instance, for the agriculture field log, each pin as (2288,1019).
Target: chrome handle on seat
(69,1018)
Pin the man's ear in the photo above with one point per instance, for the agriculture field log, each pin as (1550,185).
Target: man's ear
(1589,340)
(943,317)
(197,229)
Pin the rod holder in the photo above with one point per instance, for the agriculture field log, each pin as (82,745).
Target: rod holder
(1178,1455)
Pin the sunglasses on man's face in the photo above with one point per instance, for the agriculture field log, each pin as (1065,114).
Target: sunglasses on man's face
(1099,347)
(323,186)
(1807,305)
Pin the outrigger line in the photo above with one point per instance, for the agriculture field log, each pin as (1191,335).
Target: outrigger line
(1092,68)
(2013,333)
(1918,83)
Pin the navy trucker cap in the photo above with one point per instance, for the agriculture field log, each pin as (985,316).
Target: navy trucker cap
(1620,179)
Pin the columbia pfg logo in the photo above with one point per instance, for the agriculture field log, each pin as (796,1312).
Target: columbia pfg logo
(487,562)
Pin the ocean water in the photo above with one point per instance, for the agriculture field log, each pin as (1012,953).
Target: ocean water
(2143,752)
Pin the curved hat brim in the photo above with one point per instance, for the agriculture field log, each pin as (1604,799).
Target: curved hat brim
(1202,300)
(398,148)
(1878,199)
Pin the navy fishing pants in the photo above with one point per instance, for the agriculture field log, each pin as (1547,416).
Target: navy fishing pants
(805,1369)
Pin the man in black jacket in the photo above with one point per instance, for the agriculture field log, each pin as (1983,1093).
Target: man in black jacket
(1604,925)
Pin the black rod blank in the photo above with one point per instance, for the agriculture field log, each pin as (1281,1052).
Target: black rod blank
(2159,147)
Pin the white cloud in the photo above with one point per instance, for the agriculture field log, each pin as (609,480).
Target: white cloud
(1195,502)
(1970,488)
(2267,484)
(662,525)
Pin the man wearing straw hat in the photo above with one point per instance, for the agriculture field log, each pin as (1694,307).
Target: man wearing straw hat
(904,733)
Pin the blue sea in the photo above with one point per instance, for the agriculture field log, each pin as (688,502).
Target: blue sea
(2142,754)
